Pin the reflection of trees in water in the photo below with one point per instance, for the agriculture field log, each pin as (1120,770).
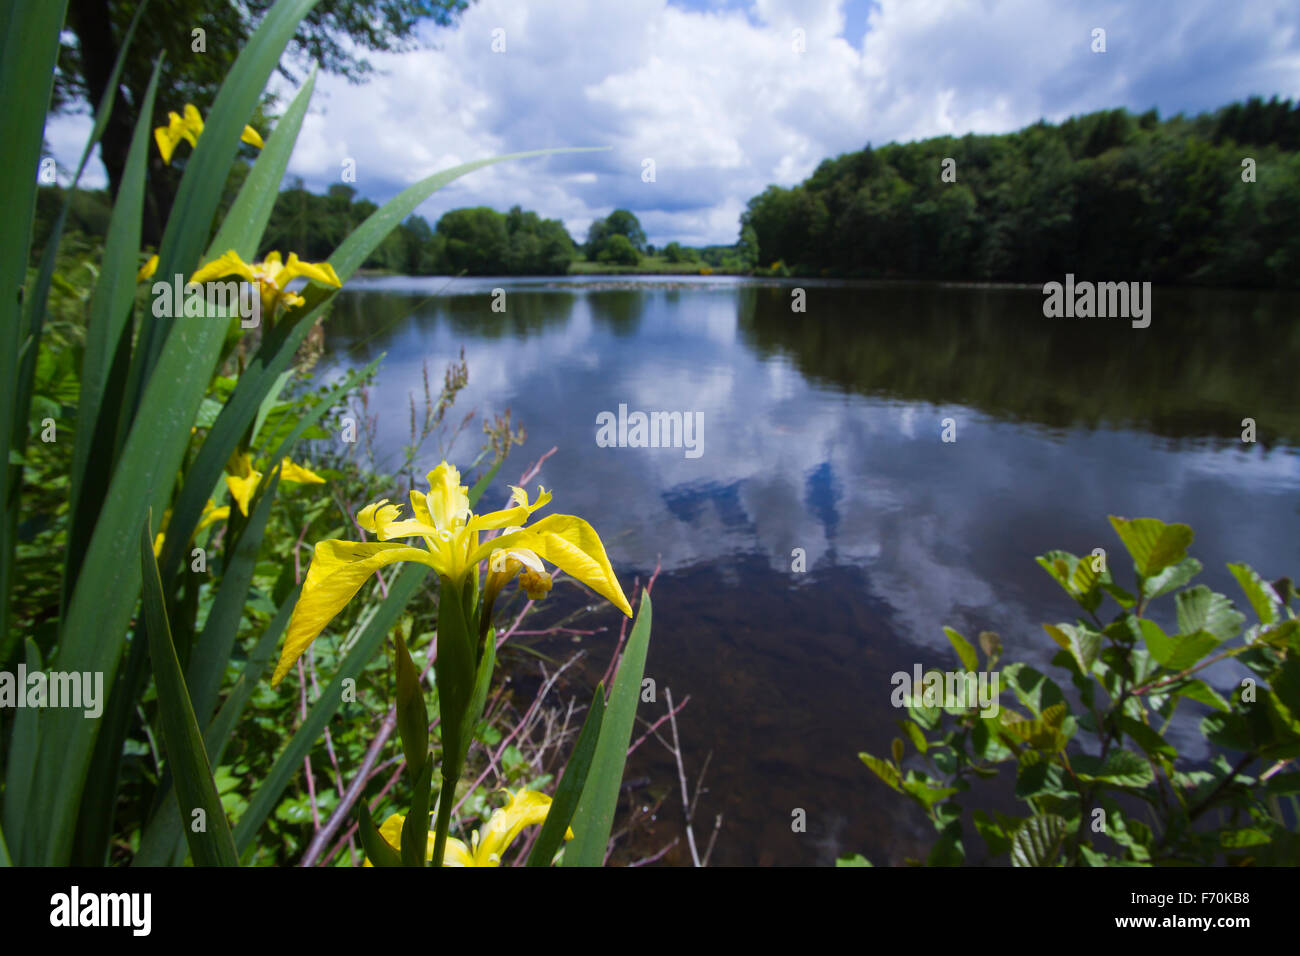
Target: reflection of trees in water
(618,309)
(377,317)
(1208,360)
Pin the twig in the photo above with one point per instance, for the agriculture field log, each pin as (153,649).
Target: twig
(681,776)
(655,726)
(645,861)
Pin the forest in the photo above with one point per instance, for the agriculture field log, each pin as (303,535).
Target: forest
(1209,200)
(1206,200)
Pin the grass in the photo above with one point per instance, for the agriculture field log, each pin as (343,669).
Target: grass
(649,265)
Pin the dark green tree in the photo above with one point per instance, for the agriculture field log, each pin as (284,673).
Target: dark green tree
(336,33)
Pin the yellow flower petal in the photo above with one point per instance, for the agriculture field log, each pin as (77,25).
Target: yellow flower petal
(448,499)
(291,472)
(570,544)
(168,136)
(192,123)
(337,572)
(241,489)
(391,831)
(375,517)
(211,515)
(456,853)
(526,807)
(323,273)
(251,137)
(148,269)
(511,516)
(228,264)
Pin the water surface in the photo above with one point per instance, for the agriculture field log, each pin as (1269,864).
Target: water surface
(822,432)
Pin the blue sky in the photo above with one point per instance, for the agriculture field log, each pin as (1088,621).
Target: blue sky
(717,95)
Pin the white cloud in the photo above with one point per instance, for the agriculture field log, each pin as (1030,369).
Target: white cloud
(724,105)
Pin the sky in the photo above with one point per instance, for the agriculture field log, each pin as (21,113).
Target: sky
(726,97)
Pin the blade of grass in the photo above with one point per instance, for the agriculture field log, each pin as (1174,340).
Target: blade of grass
(163,841)
(207,664)
(571,785)
(100,344)
(594,818)
(27,60)
(93,631)
(110,310)
(24,746)
(242,231)
(187,758)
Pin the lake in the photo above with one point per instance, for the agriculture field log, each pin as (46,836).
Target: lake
(823,431)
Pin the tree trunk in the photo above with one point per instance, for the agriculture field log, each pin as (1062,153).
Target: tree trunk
(91,21)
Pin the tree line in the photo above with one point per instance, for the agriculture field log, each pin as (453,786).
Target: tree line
(1208,200)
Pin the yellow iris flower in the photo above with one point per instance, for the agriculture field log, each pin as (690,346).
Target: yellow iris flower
(211,515)
(148,269)
(526,808)
(270,276)
(450,531)
(242,478)
(188,128)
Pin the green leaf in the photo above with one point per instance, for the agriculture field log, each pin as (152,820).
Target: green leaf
(1039,840)
(1153,544)
(947,850)
(412,714)
(212,844)
(1200,609)
(106,324)
(27,66)
(241,230)
(883,769)
(924,793)
(378,850)
(212,652)
(1201,692)
(163,837)
(917,737)
(1259,592)
(482,684)
(1171,578)
(1178,651)
(1082,642)
(594,818)
(993,833)
(965,650)
(857,859)
(1146,737)
(455,675)
(1034,689)
(24,748)
(571,785)
(1121,768)
(415,828)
